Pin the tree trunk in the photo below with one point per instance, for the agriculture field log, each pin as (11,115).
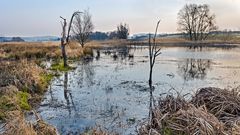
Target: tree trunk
(63,43)
(64,55)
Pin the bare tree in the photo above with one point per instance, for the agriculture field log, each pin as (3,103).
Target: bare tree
(122,31)
(153,53)
(196,21)
(82,27)
(65,36)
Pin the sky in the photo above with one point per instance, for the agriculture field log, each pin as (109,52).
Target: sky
(41,17)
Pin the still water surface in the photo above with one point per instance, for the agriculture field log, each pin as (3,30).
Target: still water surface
(111,90)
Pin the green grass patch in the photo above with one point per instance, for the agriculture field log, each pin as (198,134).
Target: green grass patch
(47,77)
(45,80)
(23,100)
(59,66)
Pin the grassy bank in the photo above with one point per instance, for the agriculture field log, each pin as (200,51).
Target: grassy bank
(22,84)
(24,79)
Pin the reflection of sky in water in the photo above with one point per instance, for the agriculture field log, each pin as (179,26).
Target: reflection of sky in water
(113,89)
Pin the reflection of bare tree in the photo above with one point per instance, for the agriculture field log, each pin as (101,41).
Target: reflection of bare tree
(98,55)
(67,94)
(86,74)
(194,68)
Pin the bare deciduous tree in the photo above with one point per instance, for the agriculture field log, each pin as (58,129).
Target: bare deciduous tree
(122,31)
(196,21)
(65,36)
(82,27)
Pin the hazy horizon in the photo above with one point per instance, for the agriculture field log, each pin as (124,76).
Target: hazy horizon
(41,18)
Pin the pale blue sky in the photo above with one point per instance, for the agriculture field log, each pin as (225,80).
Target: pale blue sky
(41,17)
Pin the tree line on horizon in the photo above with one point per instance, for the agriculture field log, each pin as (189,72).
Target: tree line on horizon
(122,32)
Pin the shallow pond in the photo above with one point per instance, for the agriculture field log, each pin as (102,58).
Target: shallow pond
(111,90)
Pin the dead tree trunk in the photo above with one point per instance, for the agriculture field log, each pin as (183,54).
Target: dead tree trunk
(63,42)
(65,36)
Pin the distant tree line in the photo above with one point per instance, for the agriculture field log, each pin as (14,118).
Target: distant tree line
(122,32)
(13,39)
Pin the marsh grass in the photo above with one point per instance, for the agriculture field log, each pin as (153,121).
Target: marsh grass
(38,50)
(222,103)
(23,98)
(21,84)
(210,111)
(24,79)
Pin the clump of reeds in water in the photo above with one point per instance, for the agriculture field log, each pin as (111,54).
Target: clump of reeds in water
(222,103)
(211,111)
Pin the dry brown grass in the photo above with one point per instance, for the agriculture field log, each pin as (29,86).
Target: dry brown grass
(42,128)
(211,111)
(22,74)
(37,50)
(223,103)
(19,126)
(21,83)
(171,104)
(14,116)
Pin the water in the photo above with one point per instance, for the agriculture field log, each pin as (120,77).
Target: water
(111,90)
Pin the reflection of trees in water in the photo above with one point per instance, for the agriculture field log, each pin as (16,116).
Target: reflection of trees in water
(112,115)
(67,94)
(194,68)
(86,74)
(98,55)
(119,53)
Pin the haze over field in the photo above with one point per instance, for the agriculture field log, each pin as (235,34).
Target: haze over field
(34,18)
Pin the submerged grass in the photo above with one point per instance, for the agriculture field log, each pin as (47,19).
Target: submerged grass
(59,66)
